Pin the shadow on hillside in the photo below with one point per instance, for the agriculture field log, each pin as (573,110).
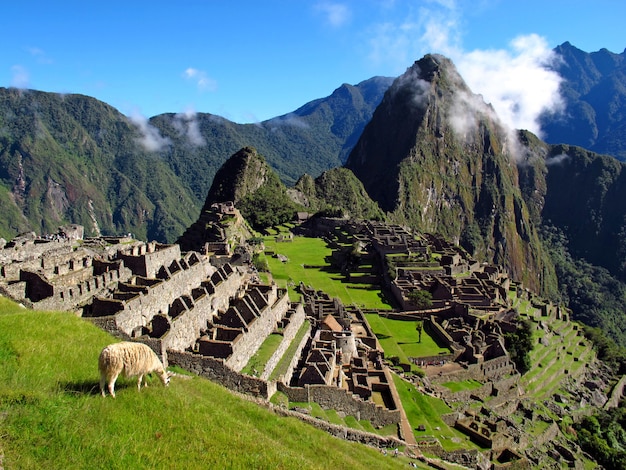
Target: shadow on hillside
(87,387)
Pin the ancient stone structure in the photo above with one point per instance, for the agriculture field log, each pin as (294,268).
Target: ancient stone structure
(201,311)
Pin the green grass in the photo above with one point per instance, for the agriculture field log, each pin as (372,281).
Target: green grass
(53,416)
(349,421)
(312,252)
(399,338)
(425,410)
(256,364)
(469,384)
(283,364)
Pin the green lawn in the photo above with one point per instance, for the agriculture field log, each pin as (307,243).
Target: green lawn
(469,384)
(399,338)
(312,253)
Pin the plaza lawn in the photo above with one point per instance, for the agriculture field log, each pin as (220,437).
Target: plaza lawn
(306,262)
(469,384)
(399,338)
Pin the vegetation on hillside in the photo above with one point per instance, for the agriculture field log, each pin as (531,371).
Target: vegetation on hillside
(594,96)
(519,344)
(603,435)
(597,298)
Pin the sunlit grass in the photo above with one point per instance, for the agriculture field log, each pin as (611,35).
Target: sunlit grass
(425,410)
(256,364)
(307,263)
(400,338)
(53,416)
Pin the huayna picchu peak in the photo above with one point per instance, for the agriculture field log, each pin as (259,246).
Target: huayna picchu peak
(435,156)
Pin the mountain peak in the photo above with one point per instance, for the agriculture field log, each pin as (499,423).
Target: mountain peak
(436,158)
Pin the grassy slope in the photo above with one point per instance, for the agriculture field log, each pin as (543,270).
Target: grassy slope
(51,415)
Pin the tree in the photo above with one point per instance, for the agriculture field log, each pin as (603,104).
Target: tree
(519,344)
(419,327)
(422,299)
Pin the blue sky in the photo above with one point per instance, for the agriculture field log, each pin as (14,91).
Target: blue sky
(252,60)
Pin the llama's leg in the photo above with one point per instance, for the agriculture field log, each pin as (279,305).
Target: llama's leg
(112,380)
(139,382)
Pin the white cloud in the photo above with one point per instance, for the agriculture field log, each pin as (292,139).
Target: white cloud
(336,14)
(40,55)
(515,80)
(557,159)
(151,139)
(19,77)
(287,120)
(201,79)
(187,125)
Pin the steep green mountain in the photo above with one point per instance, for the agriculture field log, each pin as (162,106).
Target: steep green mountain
(576,199)
(312,139)
(71,158)
(247,180)
(436,158)
(594,94)
(336,192)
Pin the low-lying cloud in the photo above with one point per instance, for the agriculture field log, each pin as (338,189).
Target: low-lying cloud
(517,81)
(557,159)
(186,124)
(150,137)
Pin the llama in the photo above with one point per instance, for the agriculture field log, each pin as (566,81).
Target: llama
(131,359)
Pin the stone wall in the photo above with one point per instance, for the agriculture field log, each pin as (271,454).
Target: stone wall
(286,379)
(185,328)
(139,309)
(69,296)
(216,370)
(342,432)
(333,398)
(296,319)
(146,259)
(492,369)
(258,330)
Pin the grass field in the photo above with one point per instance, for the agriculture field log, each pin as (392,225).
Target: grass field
(52,416)
(307,263)
(399,338)
(425,410)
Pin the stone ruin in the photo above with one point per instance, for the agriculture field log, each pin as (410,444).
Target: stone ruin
(191,310)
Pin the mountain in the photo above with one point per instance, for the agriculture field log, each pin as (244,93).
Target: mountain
(594,94)
(312,139)
(74,159)
(247,181)
(435,156)
(336,192)
(71,158)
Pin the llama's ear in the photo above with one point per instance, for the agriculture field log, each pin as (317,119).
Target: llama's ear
(170,374)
